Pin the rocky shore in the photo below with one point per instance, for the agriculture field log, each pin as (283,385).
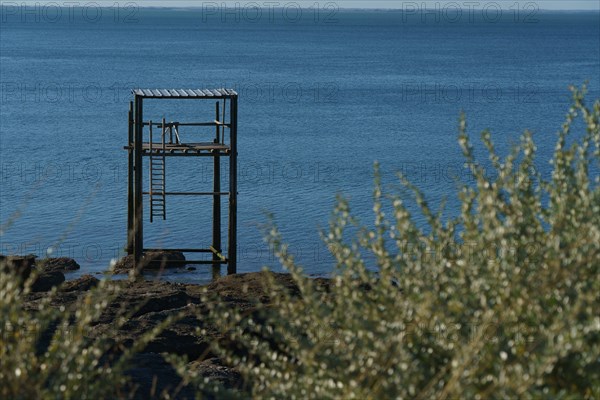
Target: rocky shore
(153,301)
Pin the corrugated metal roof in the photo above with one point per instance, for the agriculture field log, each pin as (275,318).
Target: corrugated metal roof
(184,93)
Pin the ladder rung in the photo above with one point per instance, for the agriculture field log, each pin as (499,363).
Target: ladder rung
(156,188)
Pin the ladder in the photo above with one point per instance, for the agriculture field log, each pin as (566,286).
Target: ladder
(157,192)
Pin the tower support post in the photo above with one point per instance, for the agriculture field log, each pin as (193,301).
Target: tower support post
(232,245)
(138,241)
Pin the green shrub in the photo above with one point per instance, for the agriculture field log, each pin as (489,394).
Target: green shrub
(48,351)
(500,302)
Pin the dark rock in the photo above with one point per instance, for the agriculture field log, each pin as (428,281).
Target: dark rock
(57,264)
(174,340)
(154,378)
(181,337)
(81,284)
(141,297)
(20,265)
(45,281)
(244,289)
(163,301)
(152,260)
(216,371)
(148,303)
(191,268)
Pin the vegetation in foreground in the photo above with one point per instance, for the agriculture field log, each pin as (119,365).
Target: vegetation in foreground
(500,302)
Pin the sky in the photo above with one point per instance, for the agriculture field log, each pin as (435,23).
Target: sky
(396,4)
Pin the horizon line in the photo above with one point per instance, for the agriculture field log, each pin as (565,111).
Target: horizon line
(180,7)
(303,4)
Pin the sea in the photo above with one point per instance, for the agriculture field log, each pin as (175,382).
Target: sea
(324,94)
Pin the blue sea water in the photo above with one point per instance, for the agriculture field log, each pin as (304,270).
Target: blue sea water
(322,96)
